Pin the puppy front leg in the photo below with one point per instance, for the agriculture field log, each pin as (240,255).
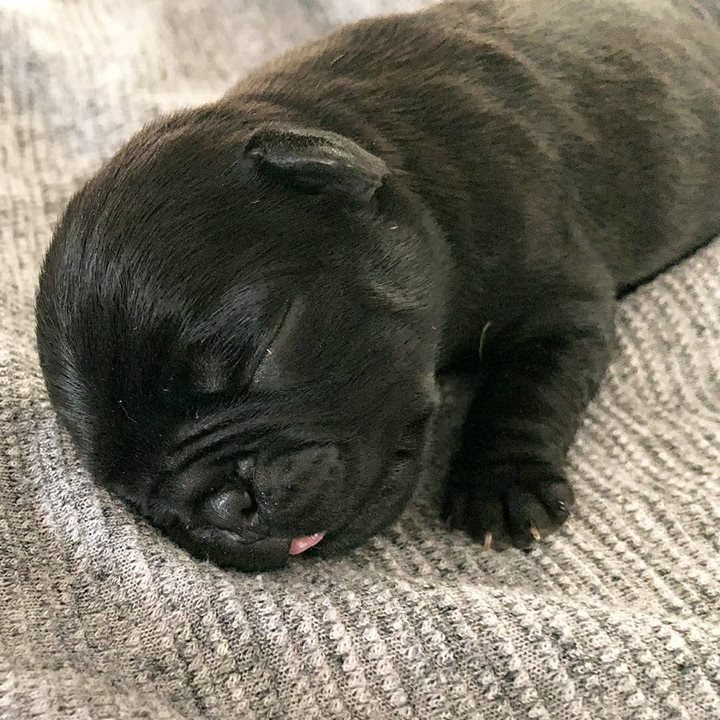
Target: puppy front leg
(508,485)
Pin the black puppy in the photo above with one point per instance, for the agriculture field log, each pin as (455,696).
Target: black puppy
(241,317)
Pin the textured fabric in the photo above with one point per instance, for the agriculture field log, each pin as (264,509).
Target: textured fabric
(100,617)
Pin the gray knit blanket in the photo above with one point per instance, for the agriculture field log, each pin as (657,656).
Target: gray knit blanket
(618,616)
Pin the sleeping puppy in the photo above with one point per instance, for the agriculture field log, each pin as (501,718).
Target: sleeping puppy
(242,317)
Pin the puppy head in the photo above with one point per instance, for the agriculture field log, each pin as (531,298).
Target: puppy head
(238,327)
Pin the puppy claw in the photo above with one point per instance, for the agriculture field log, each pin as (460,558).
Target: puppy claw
(488,541)
(535,533)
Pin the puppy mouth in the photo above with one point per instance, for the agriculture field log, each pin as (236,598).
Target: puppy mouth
(238,503)
(249,552)
(255,550)
(301,544)
(221,510)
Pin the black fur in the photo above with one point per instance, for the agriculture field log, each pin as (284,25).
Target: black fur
(242,316)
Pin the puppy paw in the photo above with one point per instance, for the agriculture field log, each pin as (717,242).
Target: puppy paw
(508,505)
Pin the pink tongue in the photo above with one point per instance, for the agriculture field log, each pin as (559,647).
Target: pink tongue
(301,544)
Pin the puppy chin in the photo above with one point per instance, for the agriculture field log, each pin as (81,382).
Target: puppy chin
(226,549)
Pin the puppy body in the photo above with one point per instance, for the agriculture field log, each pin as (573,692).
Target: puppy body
(241,317)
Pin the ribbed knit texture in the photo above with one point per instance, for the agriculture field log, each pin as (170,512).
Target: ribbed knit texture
(101,617)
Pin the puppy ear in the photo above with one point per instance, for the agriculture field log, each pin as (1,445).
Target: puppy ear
(316,161)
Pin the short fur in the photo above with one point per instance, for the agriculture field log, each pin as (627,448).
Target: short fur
(242,316)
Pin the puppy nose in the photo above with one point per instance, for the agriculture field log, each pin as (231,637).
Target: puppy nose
(227,508)
(233,506)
